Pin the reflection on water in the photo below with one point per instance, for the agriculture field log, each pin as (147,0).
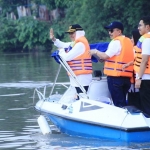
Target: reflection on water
(11,141)
(22,84)
(65,142)
(13,94)
(19,76)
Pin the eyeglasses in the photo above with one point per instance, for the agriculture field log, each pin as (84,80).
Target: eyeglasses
(111,30)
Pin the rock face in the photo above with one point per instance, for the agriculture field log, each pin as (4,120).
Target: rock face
(22,11)
(39,12)
(45,14)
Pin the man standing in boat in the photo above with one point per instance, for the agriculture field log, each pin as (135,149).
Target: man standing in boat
(76,53)
(142,64)
(119,52)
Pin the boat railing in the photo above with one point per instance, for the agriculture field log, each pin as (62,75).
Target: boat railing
(72,74)
(44,92)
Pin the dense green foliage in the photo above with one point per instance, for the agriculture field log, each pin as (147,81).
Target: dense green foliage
(24,34)
(33,33)
(8,40)
(92,15)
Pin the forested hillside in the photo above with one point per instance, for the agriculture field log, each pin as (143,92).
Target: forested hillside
(92,15)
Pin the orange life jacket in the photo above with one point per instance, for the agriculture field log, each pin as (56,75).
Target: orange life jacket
(138,57)
(113,65)
(132,79)
(82,64)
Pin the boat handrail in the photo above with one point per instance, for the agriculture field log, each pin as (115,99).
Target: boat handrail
(42,94)
(72,75)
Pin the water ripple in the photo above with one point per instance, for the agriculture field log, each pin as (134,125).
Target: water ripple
(18,94)
(29,84)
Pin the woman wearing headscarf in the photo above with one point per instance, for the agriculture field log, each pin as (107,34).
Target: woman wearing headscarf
(76,53)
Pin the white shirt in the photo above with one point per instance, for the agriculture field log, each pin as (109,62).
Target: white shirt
(146,51)
(114,48)
(146,46)
(76,51)
(61,44)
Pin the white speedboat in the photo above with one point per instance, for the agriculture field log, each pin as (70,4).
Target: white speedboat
(93,115)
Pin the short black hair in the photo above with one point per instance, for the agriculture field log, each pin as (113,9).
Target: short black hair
(146,20)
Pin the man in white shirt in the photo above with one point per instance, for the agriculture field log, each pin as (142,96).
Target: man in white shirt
(143,67)
(119,52)
(75,51)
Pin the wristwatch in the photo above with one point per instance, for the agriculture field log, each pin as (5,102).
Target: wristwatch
(138,78)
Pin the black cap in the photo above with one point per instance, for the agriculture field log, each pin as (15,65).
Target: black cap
(114,25)
(74,27)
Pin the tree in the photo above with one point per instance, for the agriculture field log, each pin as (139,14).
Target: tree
(91,15)
(94,15)
(24,34)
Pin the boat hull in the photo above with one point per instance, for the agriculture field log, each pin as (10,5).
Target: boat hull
(82,129)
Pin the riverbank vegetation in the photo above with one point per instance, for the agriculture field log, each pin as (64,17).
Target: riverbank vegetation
(25,24)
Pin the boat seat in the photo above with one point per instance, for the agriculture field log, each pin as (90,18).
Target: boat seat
(98,90)
(97,73)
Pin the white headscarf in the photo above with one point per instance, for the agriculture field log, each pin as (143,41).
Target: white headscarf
(79,34)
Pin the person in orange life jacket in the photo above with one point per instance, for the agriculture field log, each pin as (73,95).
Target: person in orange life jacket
(133,95)
(119,52)
(142,64)
(77,55)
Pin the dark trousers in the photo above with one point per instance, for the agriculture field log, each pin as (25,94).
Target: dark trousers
(145,96)
(134,99)
(118,87)
(80,91)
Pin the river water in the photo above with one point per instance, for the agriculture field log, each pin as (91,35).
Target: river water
(20,74)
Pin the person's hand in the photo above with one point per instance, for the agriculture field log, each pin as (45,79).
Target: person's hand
(131,88)
(137,83)
(101,60)
(52,37)
(124,66)
(92,52)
